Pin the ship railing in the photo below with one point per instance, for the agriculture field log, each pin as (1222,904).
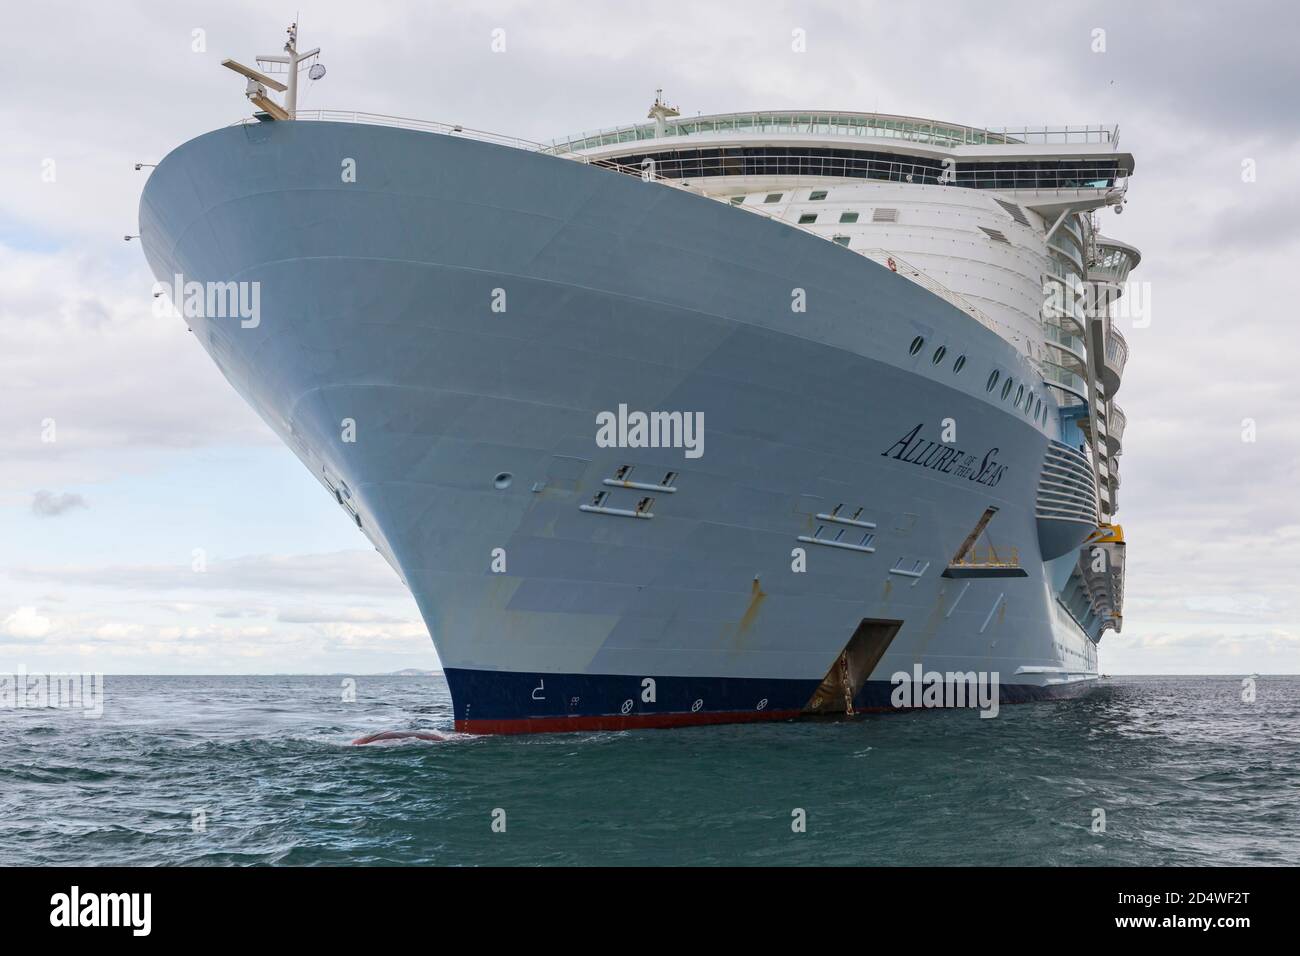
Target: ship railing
(896,264)
(428,126)
(1082,179)
(988,557)
(868,126)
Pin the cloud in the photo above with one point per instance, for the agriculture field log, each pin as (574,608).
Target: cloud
(25,624)
(340,572)
(46,504)
(336,615)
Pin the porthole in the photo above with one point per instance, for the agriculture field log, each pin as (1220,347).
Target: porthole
(503,480)
(917,344)
(1006,387)
(958,365)
(939,353)
(993,380)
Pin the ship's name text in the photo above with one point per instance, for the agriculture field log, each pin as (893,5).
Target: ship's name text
(948,459)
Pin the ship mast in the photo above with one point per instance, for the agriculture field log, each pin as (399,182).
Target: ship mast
(289,62)
(660,112)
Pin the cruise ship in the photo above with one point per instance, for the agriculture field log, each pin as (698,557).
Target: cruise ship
(696,420)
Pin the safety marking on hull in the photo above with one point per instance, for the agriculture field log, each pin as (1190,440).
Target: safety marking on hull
(961,594)
(993,610)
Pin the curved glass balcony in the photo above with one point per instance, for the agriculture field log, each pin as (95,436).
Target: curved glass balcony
(1115,423)
(1116,359)
(1063,378)
(1070,344)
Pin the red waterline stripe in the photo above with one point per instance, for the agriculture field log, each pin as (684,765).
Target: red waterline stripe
(552,725)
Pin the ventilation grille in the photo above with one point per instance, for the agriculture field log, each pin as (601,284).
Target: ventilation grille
(1066,489)
(884,215)
(996,235)
(1014,211)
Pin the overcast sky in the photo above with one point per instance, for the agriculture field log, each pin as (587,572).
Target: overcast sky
(155,456)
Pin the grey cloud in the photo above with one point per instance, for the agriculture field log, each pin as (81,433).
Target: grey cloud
(46,504)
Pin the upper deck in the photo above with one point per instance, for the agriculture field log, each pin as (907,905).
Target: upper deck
(859,131)
(811,147)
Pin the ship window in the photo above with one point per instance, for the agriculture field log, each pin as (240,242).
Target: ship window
(737,200)
(817,194)
(1006,388)
(807,218)
(773,197)
(993,380)
(958,365)
(644,505)
(622,473)
(503,480)
(669,479)
(939,353)
(599,499)
(841,240)
(848,217)
(866,540)
(1020,395)
(916,346)
(1039,410)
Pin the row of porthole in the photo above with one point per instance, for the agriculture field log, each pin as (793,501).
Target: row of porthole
(1032,405)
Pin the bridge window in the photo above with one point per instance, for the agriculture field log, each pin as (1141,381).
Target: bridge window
(848,217)
(817,194)
(808,217)
(773,197)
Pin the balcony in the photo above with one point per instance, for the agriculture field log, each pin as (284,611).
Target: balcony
(1071,345)
(1063,378)
(1115,260)
(1116,359)
(1115,423)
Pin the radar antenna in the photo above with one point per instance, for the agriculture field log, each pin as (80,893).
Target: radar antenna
(290,63)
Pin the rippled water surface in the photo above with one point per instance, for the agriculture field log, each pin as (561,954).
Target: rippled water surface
(1185,771)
